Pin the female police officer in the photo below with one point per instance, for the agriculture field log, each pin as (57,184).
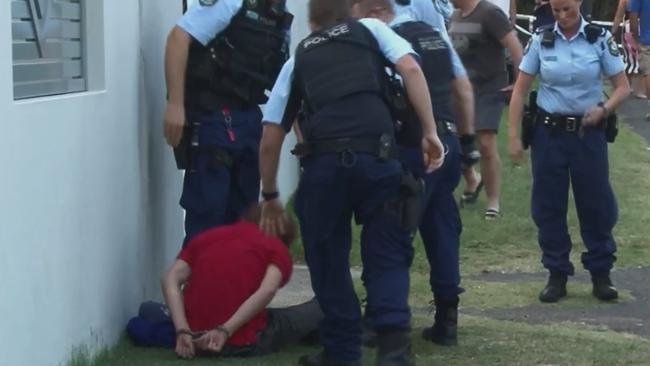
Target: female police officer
(569,143)
(349,167)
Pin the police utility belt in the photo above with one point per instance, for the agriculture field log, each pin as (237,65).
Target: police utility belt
(383,147)
(573,123)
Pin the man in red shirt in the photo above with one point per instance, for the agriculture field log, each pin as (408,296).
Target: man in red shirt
(218,289)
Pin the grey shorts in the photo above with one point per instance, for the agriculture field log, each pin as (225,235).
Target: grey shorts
(488,103)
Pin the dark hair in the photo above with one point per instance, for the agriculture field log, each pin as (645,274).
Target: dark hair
(254,213)
(368,5)
(326,13)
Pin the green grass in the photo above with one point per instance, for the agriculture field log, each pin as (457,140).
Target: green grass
(483,342)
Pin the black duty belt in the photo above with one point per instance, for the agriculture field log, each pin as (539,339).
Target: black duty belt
(384,147)
(570,123)
(446,128)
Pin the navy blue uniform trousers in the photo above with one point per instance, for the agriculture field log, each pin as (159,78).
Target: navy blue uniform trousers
(440,223)
(560,157)
(213,194)
(328,195)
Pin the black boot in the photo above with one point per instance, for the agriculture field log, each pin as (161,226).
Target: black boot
(555,288)
(394,349)
(603,289)
(445,327)
(319,359)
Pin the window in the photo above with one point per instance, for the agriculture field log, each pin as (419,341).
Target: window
(48,47)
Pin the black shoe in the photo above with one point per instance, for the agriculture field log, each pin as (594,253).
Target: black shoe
(603,288)
(319,359)
(555,288)
(445,327)
(394,349)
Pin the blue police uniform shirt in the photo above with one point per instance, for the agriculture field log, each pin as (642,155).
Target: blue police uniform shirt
(391,45)
(570,72)
(425,11)
(642,7)
(204,22)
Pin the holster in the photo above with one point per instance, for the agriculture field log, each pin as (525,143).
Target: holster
(528,120)
(183,152)
(411,191)
(611,128)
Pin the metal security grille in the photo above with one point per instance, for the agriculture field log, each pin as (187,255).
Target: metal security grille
(47,47)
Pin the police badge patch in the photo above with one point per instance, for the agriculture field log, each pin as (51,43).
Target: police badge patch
(207,2)
(251,3)
(613,47)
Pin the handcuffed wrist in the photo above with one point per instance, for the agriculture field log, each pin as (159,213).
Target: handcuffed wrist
(224,330)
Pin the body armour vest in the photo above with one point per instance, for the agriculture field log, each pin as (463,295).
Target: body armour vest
(435,57)
(242,61)
(338,62)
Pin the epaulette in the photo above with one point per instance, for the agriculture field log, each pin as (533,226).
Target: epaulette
(594,31)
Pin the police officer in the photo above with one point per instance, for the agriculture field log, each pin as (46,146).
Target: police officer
(350,166)
(440,224)
(220,58)
(569,143)
(429,12)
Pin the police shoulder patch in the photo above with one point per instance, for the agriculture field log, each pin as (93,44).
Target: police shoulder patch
(613,47)
(251,4)
(207,2)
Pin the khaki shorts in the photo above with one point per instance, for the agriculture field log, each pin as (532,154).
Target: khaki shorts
(644,60)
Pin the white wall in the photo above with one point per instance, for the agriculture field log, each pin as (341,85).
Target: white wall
(89,213)
(88,196)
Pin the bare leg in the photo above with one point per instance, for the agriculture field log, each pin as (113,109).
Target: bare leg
(490,167)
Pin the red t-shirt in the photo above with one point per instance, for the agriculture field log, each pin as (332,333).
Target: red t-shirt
(228,264)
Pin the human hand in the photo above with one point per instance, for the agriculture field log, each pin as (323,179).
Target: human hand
(272,217)
(434,152)
(516,150)
(593,116)
(212,341)
(174,123)
(185,346)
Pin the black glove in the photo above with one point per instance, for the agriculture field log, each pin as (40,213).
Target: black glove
(468,153)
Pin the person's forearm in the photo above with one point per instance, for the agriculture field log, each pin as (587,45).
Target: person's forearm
(174,300)
(176,53)
(618,17)
(463,103)
(418,93)
(516,111)
(249,309)
(513,12)
(621,91)
(270,148)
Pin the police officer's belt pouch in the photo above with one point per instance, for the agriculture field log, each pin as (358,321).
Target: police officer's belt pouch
(611,128)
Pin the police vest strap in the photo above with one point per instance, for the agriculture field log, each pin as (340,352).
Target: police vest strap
(384,147)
